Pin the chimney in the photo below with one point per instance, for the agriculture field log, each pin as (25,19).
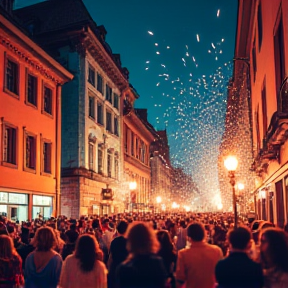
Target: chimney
(7,5)
(143,113)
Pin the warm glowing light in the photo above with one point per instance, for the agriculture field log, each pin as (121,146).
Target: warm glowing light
(262,194)
(231,163)
(187,208)
(220,206)
(132,185)
(240,186)
(175,205)
(158,199)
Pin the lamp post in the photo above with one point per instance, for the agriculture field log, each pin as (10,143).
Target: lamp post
(240,196)
(231,164)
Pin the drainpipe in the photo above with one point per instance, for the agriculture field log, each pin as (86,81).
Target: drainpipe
(58,151)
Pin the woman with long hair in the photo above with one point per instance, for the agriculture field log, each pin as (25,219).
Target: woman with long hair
(168,254)
(84,268)
(10,264)
(274,257)
(43,265)
(143,267)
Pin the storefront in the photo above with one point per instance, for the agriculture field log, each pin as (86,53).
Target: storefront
(42,205)
(14,206)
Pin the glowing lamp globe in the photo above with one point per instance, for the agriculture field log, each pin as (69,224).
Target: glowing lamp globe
(231,163)
(132,185)
(158,199)
(240,186)
(220,206)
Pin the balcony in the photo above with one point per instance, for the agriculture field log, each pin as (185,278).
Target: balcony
(276,135)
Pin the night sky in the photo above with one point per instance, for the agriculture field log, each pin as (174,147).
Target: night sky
(179,54)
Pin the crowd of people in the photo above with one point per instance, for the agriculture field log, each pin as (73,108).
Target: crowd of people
(169,250)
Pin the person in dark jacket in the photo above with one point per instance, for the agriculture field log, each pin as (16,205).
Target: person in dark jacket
(238,270)
(143,268)
(118,252)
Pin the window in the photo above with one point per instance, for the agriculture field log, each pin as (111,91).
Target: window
(12,76)
(116,101)
(126,138)
(99,113)
(31,90)
(109,165)
(108,93)
(91,76)
(286,191)
(30,152)
(116,126)
(91,156)
(10,145)
(99,83)
(279,56)
(116,167)
(143,149)
(137,148)
(47,156)
(108,121)
(100,159)
(92,107)
(257,129)
(260,25)
(47,101)
(264,108)
(132,143)
(254,59)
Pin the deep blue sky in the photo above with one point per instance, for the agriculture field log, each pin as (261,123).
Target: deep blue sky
(192,107)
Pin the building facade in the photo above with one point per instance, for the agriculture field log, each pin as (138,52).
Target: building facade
(262,37)
(30,123)
(137,139)
(161,172)
(92,158)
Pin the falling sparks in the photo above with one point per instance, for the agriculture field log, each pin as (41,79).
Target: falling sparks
(197,37)
(212,44)
(218,12)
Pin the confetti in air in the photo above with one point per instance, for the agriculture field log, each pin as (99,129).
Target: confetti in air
(193,106)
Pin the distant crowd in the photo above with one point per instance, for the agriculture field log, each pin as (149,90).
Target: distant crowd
(168,250)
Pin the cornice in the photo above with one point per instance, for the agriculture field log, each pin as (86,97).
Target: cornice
(131,120)
(136,163)
(96,49)
(28,59)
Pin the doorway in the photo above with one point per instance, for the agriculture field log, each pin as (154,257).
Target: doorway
(13,213)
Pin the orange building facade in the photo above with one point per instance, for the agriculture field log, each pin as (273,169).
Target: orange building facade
(262,38)
(137,139)
(30,124)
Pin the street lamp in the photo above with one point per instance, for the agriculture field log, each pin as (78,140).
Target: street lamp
(231,164)
(158,199)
